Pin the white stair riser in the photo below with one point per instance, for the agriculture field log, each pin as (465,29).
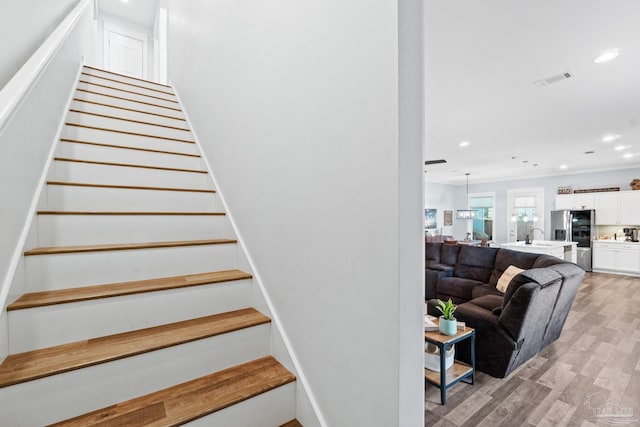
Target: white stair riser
(76,392)
(127,126)
(127,140)
(96,95)
(273,408)
(70,230)
(128,95)
(72,198)
(72,150)
(59,271)
(122,175)
(132,85)
(127,114)
(125,79)
(41,327)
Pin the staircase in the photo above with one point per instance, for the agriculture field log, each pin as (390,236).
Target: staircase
(136,312)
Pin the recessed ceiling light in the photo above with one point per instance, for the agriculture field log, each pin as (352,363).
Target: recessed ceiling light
(628,155)
(610,137)
(563,166)
(124,1)
(606,56)
(464,144)
(620,147)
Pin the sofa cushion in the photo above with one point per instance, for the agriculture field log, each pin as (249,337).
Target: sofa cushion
(449,254)
(504,280)
(457,287)
(488,302)
(542,277)
(507,257)
(440,267)
(546,261)
(486,289)
(432,252)
(475,263)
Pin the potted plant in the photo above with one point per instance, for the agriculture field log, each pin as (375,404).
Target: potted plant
(448,324)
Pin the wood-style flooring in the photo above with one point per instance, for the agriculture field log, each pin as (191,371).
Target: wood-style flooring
(595,365)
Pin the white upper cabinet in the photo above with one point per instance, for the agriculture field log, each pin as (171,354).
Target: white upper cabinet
(575,201)
(607,211)
(629,208)
(612,208)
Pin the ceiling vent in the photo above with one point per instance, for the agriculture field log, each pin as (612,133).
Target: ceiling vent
(435,162)
(553,79)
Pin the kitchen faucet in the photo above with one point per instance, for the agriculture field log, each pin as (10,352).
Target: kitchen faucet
(527,241)
(534,234)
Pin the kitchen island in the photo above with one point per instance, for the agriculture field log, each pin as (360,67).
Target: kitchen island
(563,250)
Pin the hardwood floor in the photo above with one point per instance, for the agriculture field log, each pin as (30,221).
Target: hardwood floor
(597,355)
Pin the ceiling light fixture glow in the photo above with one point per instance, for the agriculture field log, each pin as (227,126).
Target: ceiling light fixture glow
(464,144)
(563,166)
(628,155)
(610,138)
(607,56)
(620,147)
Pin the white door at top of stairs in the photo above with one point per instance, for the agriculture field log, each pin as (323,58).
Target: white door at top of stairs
(125,53)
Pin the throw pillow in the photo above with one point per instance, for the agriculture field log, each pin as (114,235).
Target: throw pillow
(504,280)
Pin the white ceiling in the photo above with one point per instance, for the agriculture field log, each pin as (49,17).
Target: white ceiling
(481,61)
(139,12)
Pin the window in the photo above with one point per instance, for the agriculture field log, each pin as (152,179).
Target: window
(481,227)
(526,213)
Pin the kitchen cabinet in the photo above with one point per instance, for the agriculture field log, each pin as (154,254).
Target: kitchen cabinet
(607,210)
(629,207)
(616,257)
(575,201)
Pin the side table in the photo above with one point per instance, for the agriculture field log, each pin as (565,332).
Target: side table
(459,371)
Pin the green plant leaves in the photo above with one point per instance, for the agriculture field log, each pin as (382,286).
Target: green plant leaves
(447,309)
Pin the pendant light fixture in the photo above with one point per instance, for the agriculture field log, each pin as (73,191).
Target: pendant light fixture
(466,213)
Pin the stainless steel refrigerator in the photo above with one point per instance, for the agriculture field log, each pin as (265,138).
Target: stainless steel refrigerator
(576,226)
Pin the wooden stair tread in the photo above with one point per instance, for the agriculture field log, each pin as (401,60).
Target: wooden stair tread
(125,213)
(292,423)
(186,141)
(140,122)
(123,147)
(102,104)
(63,296)
(130,187)
(126,83)
(124,75)
(123,246)
(161,98)
(191,400)
(27,366)
(126,99)
(129,165)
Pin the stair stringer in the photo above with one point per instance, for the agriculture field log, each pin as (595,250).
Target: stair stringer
(14,284)
(307,408)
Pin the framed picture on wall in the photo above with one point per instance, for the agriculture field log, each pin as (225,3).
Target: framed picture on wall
(430,218)
(448,218)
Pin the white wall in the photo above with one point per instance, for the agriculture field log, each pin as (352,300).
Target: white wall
(25,147)
(24,25)
(296,106)
(439,193)
(441,197)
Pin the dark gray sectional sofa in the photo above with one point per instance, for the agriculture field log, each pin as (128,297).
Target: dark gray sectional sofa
(511,327)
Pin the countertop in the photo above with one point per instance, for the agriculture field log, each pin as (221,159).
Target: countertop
(540,244)
(615,241)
